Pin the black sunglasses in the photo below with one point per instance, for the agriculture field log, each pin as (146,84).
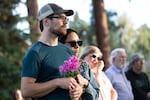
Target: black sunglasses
(98,58)
(74,43)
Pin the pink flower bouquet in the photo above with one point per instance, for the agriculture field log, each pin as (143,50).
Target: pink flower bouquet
(70,67)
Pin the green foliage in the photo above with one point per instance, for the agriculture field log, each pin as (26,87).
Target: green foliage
(114,30)
(83,29)
(133,40)
(121,33)
(9,78)
(111,24)
(143,41)
(12,48)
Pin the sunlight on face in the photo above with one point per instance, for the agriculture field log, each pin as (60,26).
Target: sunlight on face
(93,59)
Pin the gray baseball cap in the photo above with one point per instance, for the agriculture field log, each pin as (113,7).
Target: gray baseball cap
(51,9)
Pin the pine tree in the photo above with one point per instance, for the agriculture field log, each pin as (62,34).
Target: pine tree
(12,48)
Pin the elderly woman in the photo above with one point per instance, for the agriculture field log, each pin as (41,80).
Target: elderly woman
(138,79)
(93,56)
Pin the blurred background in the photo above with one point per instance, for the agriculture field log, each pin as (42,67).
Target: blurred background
(105,23)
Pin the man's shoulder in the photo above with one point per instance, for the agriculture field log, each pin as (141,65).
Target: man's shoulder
(65,47)
(109,70)
(37,45)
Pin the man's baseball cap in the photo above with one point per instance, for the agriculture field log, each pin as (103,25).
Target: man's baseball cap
(51,9)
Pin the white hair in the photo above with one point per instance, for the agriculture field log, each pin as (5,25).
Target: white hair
(115,52)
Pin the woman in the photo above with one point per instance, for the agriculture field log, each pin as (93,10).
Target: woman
(86,77)
(72,40)
(93,56)
(139,79)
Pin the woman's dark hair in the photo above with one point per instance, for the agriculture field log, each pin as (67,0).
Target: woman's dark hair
(63,38)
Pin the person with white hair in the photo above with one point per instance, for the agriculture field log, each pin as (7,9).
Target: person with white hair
(139,80)
(117,76)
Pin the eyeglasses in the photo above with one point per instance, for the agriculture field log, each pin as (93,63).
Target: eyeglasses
(98,58)
(64,18)
(74,43)
(122,57)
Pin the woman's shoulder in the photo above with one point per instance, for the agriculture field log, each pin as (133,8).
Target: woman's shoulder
(84,63)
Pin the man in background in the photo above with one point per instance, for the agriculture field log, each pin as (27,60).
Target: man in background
(117,76)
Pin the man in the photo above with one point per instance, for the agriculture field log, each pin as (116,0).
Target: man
(139,80)
(41,79)
(117,76)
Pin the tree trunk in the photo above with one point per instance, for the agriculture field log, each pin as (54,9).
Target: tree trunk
(32,7)
(102,30)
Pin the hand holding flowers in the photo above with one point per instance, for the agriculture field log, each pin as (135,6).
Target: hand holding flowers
(70,68)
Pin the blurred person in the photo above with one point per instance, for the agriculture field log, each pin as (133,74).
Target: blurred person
(17,95)
(91,91)
(139,80)
(117,76)
(41,79)
(93,56)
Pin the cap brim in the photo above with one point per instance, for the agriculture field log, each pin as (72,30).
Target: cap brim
(67,12)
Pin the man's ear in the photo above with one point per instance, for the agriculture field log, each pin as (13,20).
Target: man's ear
(46,22)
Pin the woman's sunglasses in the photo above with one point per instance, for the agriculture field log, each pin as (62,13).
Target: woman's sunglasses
(74,43)
(98,58)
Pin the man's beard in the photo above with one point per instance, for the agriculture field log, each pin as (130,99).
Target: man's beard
(122,66)
(58,33)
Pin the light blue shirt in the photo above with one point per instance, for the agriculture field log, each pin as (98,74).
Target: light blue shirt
(120,83)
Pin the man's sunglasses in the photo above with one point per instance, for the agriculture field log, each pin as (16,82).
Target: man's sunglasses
(74,43)
(98,58)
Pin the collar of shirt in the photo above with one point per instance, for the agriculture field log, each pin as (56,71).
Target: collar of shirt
(116,69)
